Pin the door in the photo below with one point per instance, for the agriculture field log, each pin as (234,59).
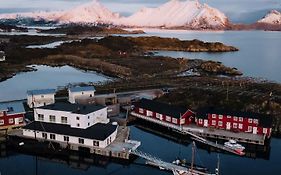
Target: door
(206,123)
(228,125)
(17,121)
(255,130)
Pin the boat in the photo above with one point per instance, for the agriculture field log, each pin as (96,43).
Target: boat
(232,144)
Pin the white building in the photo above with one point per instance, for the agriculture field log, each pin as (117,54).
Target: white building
(38,98)
(76,94)
(84,125)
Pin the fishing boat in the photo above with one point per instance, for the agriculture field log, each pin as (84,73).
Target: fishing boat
(232,144)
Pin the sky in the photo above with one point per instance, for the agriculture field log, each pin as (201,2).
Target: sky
(237,10)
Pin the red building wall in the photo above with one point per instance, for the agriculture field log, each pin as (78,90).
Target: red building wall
(6,119)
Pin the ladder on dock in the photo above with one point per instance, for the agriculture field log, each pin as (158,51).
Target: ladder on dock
(155,161)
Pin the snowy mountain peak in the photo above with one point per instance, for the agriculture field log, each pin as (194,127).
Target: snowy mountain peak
(273,17)
(175,13)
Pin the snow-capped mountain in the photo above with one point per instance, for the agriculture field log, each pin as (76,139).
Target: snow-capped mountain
(273,18)
(92,12)
(176,13)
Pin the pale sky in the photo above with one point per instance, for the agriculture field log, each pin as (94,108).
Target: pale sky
(237,10)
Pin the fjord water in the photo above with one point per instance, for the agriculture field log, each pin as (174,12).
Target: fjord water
(45,77)
(259,56)
(259,52)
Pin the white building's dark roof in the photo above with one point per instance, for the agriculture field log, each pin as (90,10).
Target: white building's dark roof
(82,89)
(41,92)
(12,107)
(73,108)
(98,131)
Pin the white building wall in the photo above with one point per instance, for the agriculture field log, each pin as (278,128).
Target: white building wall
(72,139)
(73,96)
(40,100)
(84,121)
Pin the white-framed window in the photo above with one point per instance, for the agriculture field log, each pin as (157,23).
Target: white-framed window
(235,118)
(220,117)
(214,122)
(44,135)
(200,121)
(40,117)
(240,126)
(214,116)
(52,136)
(96,143)
(158,115)
(66,138)
(220,123)
(174,120)
(240,119)
(52,118)
(64,119)
(1,114)
(149,113)
(20,119)
(235,125)
(250,128)
(228,116)
(168,119)
(250,120)
(264,130)
(11,120)
(256,121)
(141,110)
(1,122)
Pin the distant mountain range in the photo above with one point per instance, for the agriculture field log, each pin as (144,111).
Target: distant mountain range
(189,14)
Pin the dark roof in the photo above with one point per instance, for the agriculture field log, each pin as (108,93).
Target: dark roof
(41,91)
(98,131)
(264,120)
(73,108)
(80,89)
(12,107)
(161,108)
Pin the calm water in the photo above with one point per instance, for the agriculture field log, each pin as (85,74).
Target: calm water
(259,56)
(45,77)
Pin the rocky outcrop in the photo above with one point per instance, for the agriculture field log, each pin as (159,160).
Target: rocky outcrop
(217,68)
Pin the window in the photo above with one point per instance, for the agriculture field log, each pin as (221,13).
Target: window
(78,125)
(240,119)
(235,118)
(228,116)
(256,121)
(220,123)
(96,143)
(1,114)
(250,120)
(40,117)
(235,125)
(220,116)
(158,115)
(52,118)
(91,95)
(66,138)
(44,135)
(77,118)
(200,121)
(149,113)
(88,124)
(264,130)
(42,96)
(141,110)
(214,122)
(214,116)
(52,136)
(20,119)
(168,119)
(250,128)
(1,122)
(11,121)
(174,120)
(63,119)
(240,126)
(88,117)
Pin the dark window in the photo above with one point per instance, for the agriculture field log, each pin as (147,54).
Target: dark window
(88,124)
(81,141)
(44,135)
(66,138)
(77,118)
(91,95)
(78,125)
(96,143)
(53,136)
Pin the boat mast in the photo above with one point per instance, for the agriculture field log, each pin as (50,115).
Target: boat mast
(192,159)
(218,166)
